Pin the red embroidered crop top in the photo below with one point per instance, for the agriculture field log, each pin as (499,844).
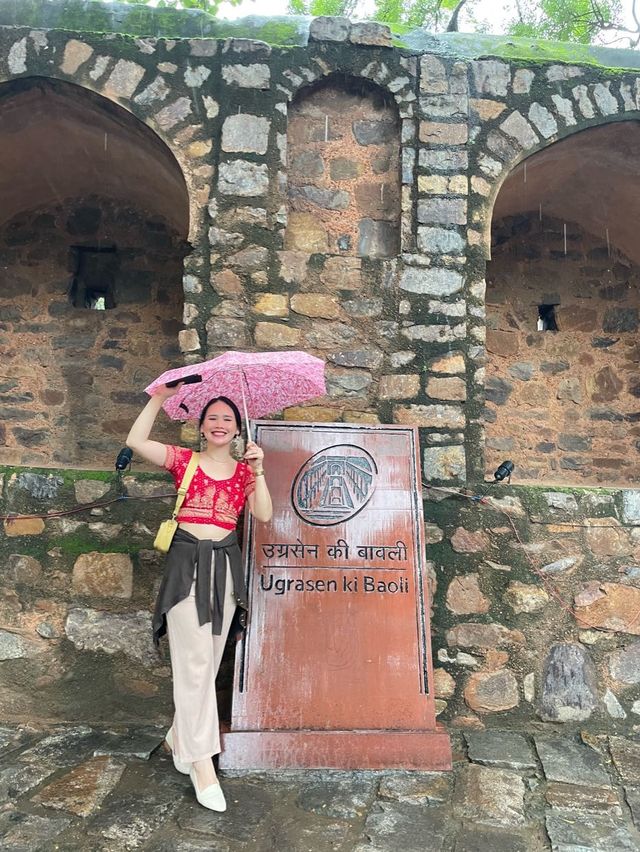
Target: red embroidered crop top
(210,501)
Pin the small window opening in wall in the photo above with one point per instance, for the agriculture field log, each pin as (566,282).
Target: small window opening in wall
(94,272)
(547,318)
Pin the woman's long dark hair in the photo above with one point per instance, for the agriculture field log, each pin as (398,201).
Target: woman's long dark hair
(227,401)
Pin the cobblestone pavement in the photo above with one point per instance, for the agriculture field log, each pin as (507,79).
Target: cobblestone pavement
(107,791)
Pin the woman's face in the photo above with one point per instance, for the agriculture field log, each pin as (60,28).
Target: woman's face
(219,424)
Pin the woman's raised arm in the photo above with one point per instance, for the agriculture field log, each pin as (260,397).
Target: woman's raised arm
(138,437)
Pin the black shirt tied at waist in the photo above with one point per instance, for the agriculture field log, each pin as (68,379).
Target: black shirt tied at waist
(189,556)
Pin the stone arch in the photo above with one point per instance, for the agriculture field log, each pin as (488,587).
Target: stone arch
(344,154)
(93,202)
(563,309)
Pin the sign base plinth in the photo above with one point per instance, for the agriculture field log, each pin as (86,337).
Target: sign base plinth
(255,750)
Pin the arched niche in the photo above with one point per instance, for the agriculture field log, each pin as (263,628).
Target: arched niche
(563,310)
(94,217)
(343,153)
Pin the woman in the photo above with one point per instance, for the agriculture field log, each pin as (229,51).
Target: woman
(203,580)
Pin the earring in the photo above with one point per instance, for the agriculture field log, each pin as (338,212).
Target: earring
(202,434)
(236,448)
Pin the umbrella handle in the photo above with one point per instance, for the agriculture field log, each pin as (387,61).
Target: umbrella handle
(244,405)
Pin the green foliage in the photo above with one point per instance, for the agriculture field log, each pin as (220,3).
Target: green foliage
(210,6)
(566,20)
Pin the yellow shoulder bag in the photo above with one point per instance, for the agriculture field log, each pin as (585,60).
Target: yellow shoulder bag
(167,529)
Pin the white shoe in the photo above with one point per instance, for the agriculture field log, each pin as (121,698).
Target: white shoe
(211,797)
(184,768)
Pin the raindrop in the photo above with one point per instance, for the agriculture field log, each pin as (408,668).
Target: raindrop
(608,243)
(381,192)
(525,171)
(565,237)
(326,128)
(106,137)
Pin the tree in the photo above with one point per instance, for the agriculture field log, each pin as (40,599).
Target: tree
(210,6)
(570,20)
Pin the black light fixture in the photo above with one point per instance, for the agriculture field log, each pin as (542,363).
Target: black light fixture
(124,459)
(504,472)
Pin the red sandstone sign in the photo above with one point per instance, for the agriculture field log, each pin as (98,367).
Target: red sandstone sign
(335,669)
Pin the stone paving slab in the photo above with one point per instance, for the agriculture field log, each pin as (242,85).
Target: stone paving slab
(564,759)
(62,797)
(500,748)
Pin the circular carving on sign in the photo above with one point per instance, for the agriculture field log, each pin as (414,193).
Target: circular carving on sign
(334,485)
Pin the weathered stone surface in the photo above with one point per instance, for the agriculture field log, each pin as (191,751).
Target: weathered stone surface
(173,113)
(368,132)
(631,506)
(525,598)
(316,305)
(449,364)
(91,630)
(419,788)
(624,664)
(271,304)
(522,80)
(103,575)
(370,358)
(254,76)
(519,129)
(543,120)
(305,233)
(431,282)
(327,198)
(569,684)
(436,416)
(23,569)
(343,799)
(124,79)
(89,490)
(21,832)
(472,635)
(464,595)
(39,486)
(449,388)
(311,413)
(444,686)
(500,748)
(590,833)
(377,238)
(76,53)
(626,756)
(615,609)
(348,382)
(613,706)
(12,646)
(566,760)
(560,565)
(445,462)
(491,795)
(398,386)
(23,526)
(442,211)
(398,825)
(438,133)
(498,390)
(329,28)
(466,541)
(492,692)
(271,335)
(245,133)
(491,77)
(440,240)
(227,332)
(82,790)
(240,177)
(577,798)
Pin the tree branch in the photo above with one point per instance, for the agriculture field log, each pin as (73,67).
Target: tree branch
(452,26)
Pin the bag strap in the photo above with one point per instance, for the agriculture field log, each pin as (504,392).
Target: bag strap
(186,482)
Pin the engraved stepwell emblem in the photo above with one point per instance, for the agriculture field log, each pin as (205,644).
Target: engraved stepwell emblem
(334,485)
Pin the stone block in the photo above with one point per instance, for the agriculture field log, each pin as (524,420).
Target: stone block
(431,281)
(491,77)
(486,109)
(245,133)
(76,53)
(370,33)
(350,382)
(615,608)
(103,575)
(398,386)
(271,335)
(446,388)
(173,114)
(226,332)
(445,463)
(570,762)
(188,340)
(130,634)
(445,106)
(240,177)
(82,790)
(522,597)
(473,635)
(519,129)
(312,413)
(342,273)
(342,168)
(605,101)
(450,364)
(316,305)
(305,233)
(254,76)
(328,199)
(124,79)
(12,646)
(371,132)
(569,684)
(433,75)
(465,597)
(443,160)
(442,211)
(271,304)
(430,416)
(439,133)
(227,283)
(329,28)
(440,240)
(500,748)
(23,526)
(543,120)
(624,664)
(378,238)
(436,333)
(489,795)
(491,692)
(370,358)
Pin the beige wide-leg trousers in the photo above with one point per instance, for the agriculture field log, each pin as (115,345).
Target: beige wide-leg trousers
(195,660)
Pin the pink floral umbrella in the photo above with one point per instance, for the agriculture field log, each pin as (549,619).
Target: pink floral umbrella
(258,382)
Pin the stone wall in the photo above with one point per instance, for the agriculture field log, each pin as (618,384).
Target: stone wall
(74,376)
(402,331)
(563,404)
